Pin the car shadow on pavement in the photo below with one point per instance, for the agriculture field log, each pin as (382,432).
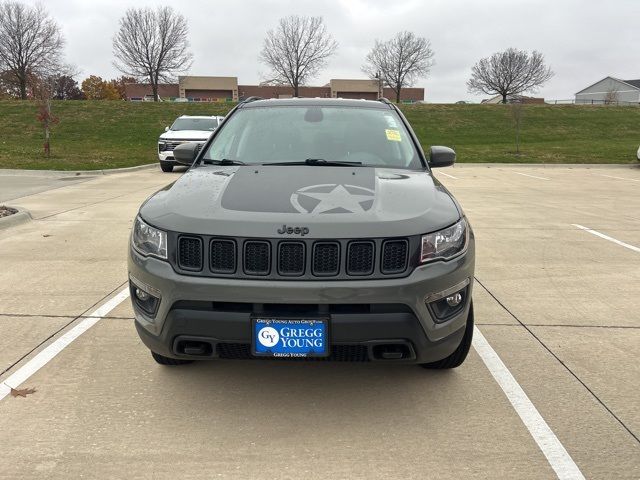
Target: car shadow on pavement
(308,389)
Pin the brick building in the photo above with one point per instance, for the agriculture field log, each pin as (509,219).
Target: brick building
(216,89)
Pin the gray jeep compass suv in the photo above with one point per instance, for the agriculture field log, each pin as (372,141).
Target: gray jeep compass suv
(305,229)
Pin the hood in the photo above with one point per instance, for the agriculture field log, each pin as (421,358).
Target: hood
(331,202)
(186,135)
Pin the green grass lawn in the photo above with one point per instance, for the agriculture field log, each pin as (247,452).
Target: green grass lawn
(110,134)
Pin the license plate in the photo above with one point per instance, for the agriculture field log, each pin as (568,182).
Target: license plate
(290,337)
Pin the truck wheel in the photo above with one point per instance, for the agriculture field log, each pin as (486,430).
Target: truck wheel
(458,356)
(162,360)
(166,167)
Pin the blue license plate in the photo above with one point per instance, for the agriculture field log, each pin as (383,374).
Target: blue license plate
(290,338)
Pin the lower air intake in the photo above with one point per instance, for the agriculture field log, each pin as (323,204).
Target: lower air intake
(339,353)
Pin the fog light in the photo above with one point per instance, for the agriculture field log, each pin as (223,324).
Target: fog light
(448,303)
(454,300)
(144,296)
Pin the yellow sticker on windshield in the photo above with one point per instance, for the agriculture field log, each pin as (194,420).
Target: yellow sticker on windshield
(393,135)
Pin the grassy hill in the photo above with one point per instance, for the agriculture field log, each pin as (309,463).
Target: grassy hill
(110,134)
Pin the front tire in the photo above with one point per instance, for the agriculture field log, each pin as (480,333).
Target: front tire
(166,167)
(458,357)
(162,360)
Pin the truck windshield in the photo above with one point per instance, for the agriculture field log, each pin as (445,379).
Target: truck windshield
(289,134)
(208,124)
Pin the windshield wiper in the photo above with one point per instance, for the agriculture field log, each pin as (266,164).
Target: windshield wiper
(224,161)
(318,162)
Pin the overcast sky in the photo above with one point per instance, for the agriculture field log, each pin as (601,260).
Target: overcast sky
(582,40)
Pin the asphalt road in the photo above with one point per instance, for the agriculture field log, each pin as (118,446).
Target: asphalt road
(553,392)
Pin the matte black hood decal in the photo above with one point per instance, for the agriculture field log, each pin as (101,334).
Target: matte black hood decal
(331,202)
(282,189)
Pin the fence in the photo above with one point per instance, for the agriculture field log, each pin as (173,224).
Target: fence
(573,101)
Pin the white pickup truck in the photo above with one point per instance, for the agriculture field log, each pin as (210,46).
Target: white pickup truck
(186,128)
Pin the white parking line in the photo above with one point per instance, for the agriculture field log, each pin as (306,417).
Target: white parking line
(606,237)
(619,178)
(556,454)
(447,175)
(531,176)
(45,356)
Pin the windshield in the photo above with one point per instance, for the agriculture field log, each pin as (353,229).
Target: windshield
(209,124)
(264,135)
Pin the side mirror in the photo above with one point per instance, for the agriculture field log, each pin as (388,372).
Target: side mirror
(185,153)
(441,157)
(166,129)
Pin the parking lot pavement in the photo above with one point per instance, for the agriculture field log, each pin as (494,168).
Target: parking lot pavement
(16,185)
(557,303)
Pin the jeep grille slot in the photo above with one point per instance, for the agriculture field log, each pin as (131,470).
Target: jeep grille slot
(394,256)
(223,256)
(257,258)
(291,258)
(326,259)
(360,258)
(190,253)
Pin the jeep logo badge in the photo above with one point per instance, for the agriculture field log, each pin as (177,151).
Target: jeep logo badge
(293,230)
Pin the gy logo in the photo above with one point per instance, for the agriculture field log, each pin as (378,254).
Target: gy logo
(333,198)
(268,336)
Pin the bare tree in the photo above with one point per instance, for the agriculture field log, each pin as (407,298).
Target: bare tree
(152,44)
(8,86)
(612,97)
(43,90)
(399,62)
(297,50)
(511,72)
(30,44)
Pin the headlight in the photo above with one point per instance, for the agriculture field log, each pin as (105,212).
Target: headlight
(162,146)
(148,240)
(446,243)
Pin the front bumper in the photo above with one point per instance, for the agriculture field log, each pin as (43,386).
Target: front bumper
(362,312)
(166,156)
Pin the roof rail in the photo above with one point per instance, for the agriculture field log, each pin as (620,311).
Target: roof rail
(385,100)
(250,99)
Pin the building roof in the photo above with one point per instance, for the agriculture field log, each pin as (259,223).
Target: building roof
(631,83)
(323,102)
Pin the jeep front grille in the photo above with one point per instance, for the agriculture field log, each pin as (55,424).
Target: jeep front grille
(289,259)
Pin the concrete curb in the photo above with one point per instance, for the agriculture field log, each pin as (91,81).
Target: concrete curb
(21,216)
(546,165)
(76,173)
